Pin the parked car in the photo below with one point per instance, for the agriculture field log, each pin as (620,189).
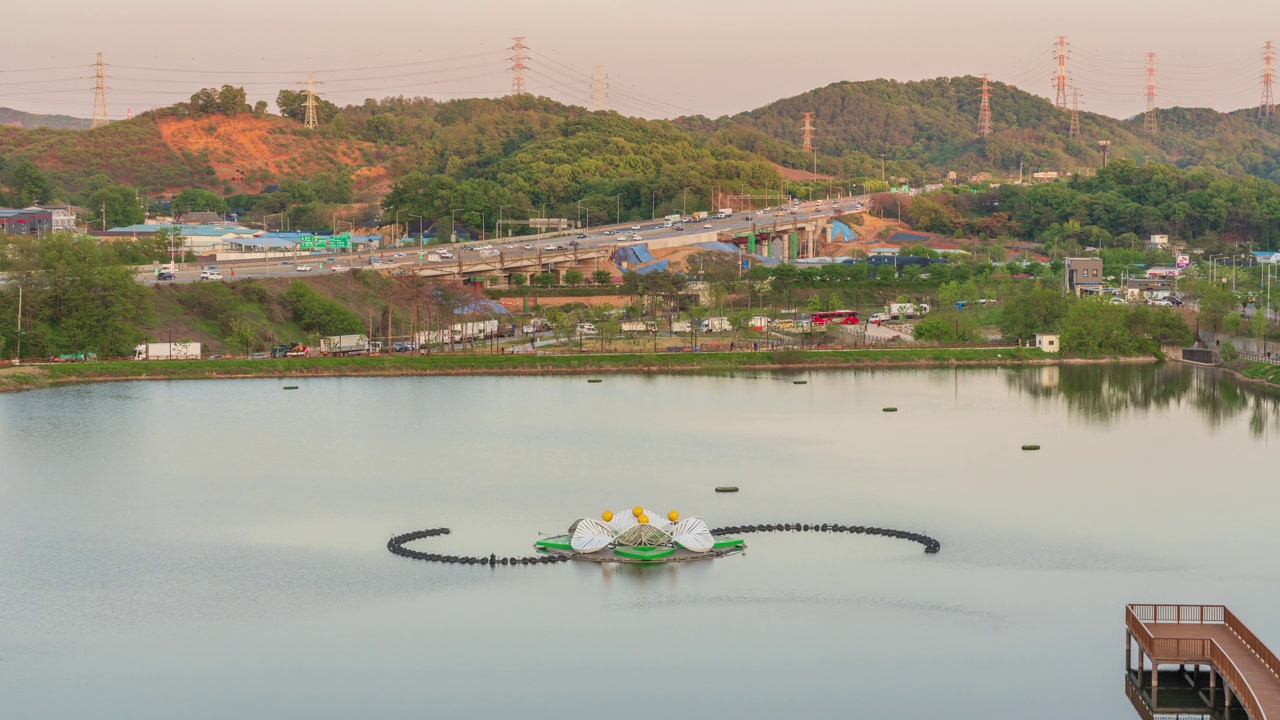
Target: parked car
(210,275)
(302,268)
(585,329)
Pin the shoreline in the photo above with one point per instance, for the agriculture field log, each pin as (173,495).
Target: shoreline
(34,377)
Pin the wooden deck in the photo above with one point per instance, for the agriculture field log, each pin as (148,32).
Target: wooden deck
(1210,635)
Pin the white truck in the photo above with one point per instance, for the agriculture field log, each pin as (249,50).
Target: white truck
(344,345)
(759,322)
(673,219)
(724,213)
(903,311)
(167,351)
(681,326)
(716,324)
(636,326)
(476,330)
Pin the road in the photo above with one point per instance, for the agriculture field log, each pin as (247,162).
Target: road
(512,247)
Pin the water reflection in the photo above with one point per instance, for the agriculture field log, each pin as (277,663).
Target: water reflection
(1104,393)
(1183,694)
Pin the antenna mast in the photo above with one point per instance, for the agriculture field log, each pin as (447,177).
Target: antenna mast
(100,118)
(984,111)
(517,66)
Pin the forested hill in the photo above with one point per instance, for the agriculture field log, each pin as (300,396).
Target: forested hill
(9,116)
(929,127)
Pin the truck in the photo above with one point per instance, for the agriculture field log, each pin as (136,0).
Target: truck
(760,322)
(902,311)
(167,351)
(290,350)
(724,213)
(673,219)
(430,338)
(681,326)
(536,325)
(636,326)
(475,330)
(700,216)
(344,345)
(716,324)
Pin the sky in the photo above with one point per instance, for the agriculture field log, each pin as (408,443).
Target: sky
(663,58)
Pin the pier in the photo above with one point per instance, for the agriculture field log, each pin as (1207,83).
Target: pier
(1220,668)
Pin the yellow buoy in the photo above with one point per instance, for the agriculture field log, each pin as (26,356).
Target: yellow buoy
(607,515)
(673,516)
(643,519)
(637,511)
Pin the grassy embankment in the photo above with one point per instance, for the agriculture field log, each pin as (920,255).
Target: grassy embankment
(458,364)
(1265,372)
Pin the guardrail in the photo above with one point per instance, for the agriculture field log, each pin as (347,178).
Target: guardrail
(1235,679)
(1251,641)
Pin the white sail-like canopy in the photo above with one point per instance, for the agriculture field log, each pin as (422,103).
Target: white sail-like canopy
(643,535)
(590,535)
(693,534)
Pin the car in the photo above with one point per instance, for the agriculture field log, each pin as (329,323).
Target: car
(212,267)
(608,232)
(582,236)
(339,268)
(165,277)
(302,268)
(259,356)
(509,247)
(528,246)
(679,228)
(398,255)
(706,225)
(585,328)
(635,227)
(210,275)
(636,236)
(286,262)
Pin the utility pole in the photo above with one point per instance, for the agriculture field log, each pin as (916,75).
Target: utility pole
(100,118)
(1074,132)
(1268,106)
(882,167)
(599,88)
(984,110)
(18,358)
(1104,144)
(1149,121)
(311,121)
(807,137)
(1060,79)
(517,66)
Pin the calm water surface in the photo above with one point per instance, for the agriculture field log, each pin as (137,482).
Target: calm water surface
(216,549)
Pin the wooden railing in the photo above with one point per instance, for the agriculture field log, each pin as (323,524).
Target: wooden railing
(1236,680)
(1182,614)
(1252,642)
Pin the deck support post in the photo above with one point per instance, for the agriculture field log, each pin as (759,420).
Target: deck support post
(1141,666)
(1128,650)
(1155,683)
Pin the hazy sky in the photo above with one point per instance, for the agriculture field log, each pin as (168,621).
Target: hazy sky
(663,57)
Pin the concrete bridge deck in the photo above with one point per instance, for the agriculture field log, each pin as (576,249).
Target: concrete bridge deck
(1206,635)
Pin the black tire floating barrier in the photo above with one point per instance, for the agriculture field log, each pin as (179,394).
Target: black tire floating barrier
(397,542)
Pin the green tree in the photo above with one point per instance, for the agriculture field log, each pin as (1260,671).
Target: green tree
(197,200)
(1093,327)
(1037,310)
(1258,325)
(545,279)
(118,205)
(519,279)
(29,184)
(886,273)
(573,277)
(601,277)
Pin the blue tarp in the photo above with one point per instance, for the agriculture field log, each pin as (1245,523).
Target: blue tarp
(719,246)
(656,267)
(483,307)
(841,232)
(633,254)
(906,237)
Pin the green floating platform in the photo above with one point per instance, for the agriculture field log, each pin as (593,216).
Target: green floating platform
(1030,447)
(556,543)
(891,409)
(799,382)
(644,553)
(727,543)
(594,381)
(727,488)
(290,387)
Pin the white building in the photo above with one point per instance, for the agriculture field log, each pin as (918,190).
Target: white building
(1048,342)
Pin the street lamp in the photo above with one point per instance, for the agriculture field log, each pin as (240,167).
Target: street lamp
(422,230)
(499,227)
(587,231)
(452,224)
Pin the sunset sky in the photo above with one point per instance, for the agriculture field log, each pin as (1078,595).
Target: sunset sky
(663,57)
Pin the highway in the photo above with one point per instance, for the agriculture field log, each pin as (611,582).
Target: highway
(513,248)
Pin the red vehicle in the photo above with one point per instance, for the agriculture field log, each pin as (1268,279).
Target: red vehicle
(835,317)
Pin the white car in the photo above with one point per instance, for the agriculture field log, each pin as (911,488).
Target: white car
(339,268)
(302,268)
(585,329)
(636,236)
(528,247)
(210,275)
(706,225)
(635,227)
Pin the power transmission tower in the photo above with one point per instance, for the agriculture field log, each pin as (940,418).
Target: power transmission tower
(808,132)
(599,87)
(1149,122)
(1074,131)
(311,121)
(100,118)
(517,66)
(1268,106)
(984,110)
(1060,79)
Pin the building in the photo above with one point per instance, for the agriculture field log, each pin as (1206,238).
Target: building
(1164,272)
(64,216)
(1157,242)
(1082,275)
(1140,288)
(883,251)
(29,221)
(202,218)
(1048,342)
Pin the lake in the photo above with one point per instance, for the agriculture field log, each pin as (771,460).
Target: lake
(216,549)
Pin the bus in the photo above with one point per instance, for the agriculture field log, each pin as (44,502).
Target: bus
(835,317)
